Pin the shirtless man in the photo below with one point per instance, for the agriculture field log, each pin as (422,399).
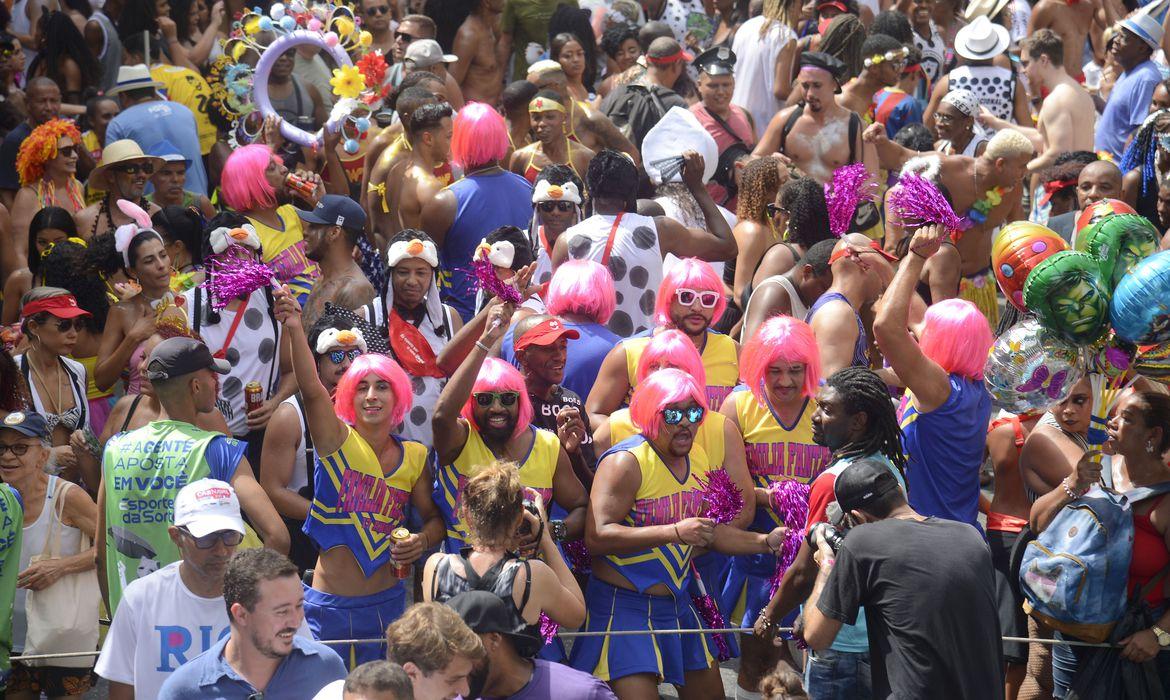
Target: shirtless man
(430,146)
(586,125)
(1067,115)
(1070,21)
(376,16)
(479,72)
(884,60)
(387,171)
(817,142)
(331,232)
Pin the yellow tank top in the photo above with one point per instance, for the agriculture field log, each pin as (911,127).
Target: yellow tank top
(91,390)
(536,472)
(284,250)
(709,436)
(720,361)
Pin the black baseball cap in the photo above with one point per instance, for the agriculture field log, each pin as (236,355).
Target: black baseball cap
(826,62)
(486,612)
(863,482)
(175,357)
(27,423)
(335,210)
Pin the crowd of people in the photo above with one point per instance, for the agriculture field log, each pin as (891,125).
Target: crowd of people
(503,348)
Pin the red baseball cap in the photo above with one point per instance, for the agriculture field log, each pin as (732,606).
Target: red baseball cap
(544,333)
(64,306)
(833,3)
(847,249)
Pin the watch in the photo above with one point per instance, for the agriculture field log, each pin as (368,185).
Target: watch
(1162,635)
(557,529)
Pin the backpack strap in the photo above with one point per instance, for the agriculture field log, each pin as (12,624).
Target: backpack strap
(854,130)
(198,309)
(790,124)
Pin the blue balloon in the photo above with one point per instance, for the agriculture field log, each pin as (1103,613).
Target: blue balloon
(288,23)
(351,146)
(265,24)
(1140,310)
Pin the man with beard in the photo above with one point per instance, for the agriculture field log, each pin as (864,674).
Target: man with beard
(1097,181)
(818,135)
(689,299)
(331,232)
(503,673)
(262,656)
(854,419)
(430,147)
(484,414)
(122,173)
(171,616)
(479,72)
(437,650)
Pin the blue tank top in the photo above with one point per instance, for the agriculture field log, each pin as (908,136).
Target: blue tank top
(944,450)
(483,203)
(861,347)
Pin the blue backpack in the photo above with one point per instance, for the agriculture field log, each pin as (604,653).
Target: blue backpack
(1073,576)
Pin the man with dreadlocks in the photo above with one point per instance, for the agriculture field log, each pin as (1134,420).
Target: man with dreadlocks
(855,420)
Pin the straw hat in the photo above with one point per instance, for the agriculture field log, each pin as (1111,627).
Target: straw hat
(984,8)
(123,151)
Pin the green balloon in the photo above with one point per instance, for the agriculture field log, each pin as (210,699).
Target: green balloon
(1069,296)
(1119,242)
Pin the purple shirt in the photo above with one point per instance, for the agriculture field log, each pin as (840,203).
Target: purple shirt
(570,684)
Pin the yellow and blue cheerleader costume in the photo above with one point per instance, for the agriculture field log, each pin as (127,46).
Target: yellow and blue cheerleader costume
(720,362)
(356,506)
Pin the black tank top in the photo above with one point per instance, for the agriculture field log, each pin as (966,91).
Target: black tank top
(500,579)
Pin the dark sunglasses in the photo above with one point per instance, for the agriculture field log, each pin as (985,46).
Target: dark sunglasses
(135,168)
(230,538)
(67,324)
(773,209)
(487,398)
(378,10)
(339,356)
(674,416)
(20,449)
(404,37)
(686,297)
(547,207)
(67,151)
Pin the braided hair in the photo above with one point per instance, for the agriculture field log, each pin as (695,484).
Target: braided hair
(612,175)
(1143,150)
(863,391)
(808,214)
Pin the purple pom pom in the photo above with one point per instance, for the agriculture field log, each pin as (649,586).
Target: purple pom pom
(919,202)
(721,497)
(790,501)
(849,188)
(713,619)
(548,628)
(235,276)
(484,275)
(580,560)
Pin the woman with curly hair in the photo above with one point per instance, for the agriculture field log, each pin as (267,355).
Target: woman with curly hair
(47,165)
(802,217)
(49,226)
(756,230)
(65,58)
(620,44)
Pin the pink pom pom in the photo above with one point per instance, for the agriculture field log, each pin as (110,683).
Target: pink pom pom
(486,279)
(548,628)
(789,500)
(713,619)
(722,499)
(331,39)
(315,25)
(850,187)
(233,276)
(919,202)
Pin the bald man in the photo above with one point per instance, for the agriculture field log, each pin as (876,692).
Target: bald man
(1098,180)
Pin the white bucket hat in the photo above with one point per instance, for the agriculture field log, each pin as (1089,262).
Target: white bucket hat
(981,40)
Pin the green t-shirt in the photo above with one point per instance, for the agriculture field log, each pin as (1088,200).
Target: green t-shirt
(11,530)
(527,21)
(143,471)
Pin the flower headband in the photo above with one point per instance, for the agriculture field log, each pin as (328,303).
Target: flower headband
(414,248)
(545,104)
(546,192)
(895,55)
(126,233)
(223,237)
(332,337)
(500,253)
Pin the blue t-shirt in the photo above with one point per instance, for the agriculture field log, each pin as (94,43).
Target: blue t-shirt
(944,450)
(152,122)
(1128,106)
(310,667)
(583,356)
(9,179)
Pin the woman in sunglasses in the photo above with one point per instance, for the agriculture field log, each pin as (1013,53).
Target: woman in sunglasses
(47,165)
(761,223)
(549,119)
(366,481)
(556,205)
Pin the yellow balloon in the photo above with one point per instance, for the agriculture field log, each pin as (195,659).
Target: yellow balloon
(365,39)
(343,26)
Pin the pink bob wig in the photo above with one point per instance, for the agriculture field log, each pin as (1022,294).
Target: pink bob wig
(479,136)
(242,181)
(671,349)
(497,375)
(583,288)
(659,390)
(781,339)
(688,273)
(956,337)
(382,367)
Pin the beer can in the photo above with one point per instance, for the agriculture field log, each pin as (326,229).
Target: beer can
(253,396)
(400,570)
(300,186)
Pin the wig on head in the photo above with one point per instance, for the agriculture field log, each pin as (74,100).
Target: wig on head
(956,336)
(671,349)
(688,273)
(659,390)
(479,137)
(497,375)
(242,181)
(384,368)
(41,146)
(782,339)
(583,288)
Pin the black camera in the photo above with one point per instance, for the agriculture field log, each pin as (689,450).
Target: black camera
(833,537)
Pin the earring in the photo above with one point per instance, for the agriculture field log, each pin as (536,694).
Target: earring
(1150,446)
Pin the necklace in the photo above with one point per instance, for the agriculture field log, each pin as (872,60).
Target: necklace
(45,385)
(992,198)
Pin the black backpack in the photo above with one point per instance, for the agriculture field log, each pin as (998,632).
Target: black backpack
(635,109)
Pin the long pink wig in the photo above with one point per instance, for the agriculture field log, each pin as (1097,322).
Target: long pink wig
(382,367)
(479,136)
(584,288)
(242,181)
(956,336)
(497,375)
(657,391)
(688,273)
(671,349)
(781,339)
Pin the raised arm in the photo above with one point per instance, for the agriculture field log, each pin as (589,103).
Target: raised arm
(714,242)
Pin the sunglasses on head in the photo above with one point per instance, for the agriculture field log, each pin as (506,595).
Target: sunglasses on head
(559,206)
(378,10)
(230,538)
(404,37)
(20,449)
(339,356)
(686,297)
(773,209)
(487,398)
(67,151)
(135,168)
(674,416)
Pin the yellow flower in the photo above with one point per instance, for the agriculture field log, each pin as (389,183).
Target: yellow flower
(344,27)
(347,81)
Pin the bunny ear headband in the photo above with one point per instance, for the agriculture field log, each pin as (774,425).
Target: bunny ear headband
(500,253)
(414,248)
(124,234)
(223,237)
(332,337)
